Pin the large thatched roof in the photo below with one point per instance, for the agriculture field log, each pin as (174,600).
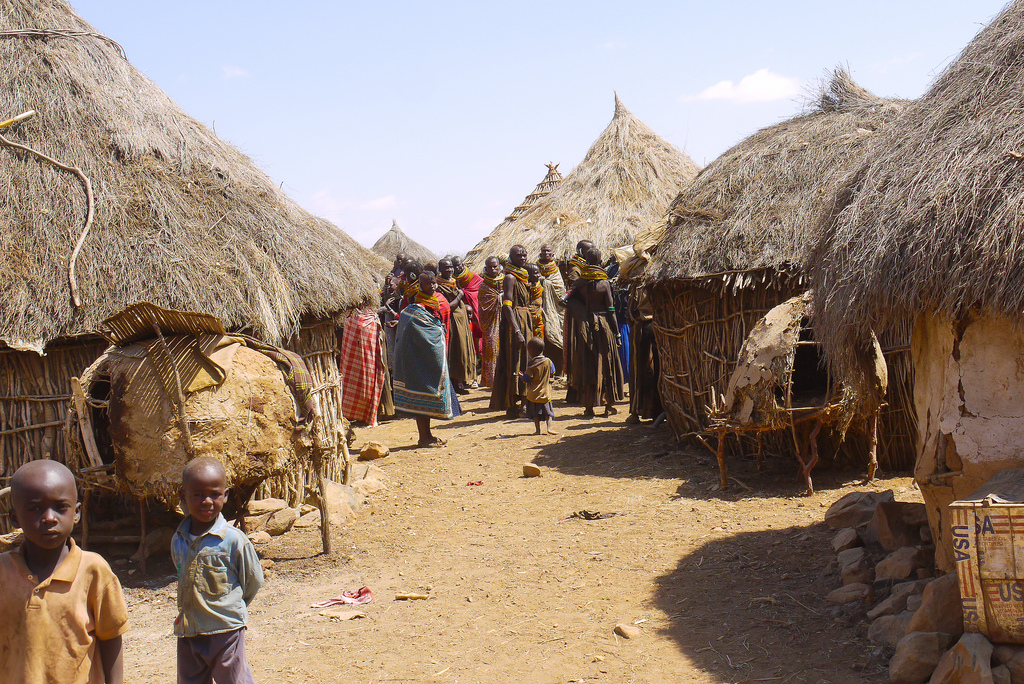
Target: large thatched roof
(182,219)
(395,241)
(623,185)
(754,207)
(934,221)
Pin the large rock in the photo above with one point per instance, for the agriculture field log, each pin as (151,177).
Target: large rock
(281,521)
(1012,656)
(262,506)
(903,564)
(1001,675)
(372,451)
(898,597)
(966,663)
(889,629)
(888,528)
(850,593)
(342,502)
(846,538)
(941,610)
(855,566)
(916,656)
(855,509)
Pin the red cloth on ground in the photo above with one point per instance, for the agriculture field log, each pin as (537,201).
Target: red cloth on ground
(362,367)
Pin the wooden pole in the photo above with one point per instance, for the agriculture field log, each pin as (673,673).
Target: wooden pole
(873,453)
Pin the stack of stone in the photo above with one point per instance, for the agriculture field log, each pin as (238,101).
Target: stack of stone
(885,557)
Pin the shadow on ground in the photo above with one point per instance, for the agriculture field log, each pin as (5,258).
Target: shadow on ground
(750,608)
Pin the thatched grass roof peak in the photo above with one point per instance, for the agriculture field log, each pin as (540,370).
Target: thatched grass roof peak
(182,219)
(754,207)
(932,223)
(395,241)
(623,185)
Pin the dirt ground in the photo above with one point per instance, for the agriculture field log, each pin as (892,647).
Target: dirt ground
(723,587)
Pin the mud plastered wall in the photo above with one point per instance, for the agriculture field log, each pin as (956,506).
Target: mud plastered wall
(969,395)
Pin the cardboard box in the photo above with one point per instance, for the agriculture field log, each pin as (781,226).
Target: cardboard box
(988,546)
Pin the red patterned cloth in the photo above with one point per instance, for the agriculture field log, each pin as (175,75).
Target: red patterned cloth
(362,367)
(470,283)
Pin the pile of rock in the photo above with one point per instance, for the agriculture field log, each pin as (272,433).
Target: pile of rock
(885,556)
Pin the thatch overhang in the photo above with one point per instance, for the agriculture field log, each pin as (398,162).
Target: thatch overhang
(933,221)
(749,217)
(182,219)
(624,183)
(395,242)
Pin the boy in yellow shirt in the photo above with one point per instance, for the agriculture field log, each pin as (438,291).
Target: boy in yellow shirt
(62,612)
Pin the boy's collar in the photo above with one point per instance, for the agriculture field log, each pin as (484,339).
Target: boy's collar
(66,570)
(219,527)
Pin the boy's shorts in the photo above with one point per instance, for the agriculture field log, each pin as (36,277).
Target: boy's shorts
(220,656)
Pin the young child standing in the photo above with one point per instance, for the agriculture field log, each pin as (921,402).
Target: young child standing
(219,573)
(62,612)
(538,385)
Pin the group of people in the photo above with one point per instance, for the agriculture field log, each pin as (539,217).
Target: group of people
(513,328)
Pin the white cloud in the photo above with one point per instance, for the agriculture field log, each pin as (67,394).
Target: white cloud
(613,45)
(760,86)
(231,71)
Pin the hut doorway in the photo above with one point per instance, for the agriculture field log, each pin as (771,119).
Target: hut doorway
(810,381)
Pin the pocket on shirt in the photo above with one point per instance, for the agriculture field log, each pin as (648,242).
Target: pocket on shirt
(213,580)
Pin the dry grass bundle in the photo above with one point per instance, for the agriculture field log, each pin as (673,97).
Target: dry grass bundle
(395,241)
(754,207)
(624,184)
(933,221)
(182,219)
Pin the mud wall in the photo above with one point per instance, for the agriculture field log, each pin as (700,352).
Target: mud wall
(969,396)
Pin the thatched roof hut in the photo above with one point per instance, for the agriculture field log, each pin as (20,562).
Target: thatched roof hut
(928,233)
(737,242)
(178,218)
(395,241)
(623,185)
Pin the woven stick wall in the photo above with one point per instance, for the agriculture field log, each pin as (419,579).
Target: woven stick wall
(316,344)
(35,393)
(701,324)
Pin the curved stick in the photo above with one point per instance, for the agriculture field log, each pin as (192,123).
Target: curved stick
(88,215)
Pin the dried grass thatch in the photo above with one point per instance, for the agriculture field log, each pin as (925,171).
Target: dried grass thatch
(475,258)
(932,222)
(737,243)
(755,206)
(395,241)
(182,219)
(623,185)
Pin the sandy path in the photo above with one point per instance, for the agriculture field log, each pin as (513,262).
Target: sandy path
(723,588)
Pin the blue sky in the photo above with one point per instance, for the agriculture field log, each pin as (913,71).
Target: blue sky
(442,115)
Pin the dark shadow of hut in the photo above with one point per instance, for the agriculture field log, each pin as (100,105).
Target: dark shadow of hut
(736,246)
(144,203)
(927,235)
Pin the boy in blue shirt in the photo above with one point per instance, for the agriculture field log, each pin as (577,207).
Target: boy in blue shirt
(219,573)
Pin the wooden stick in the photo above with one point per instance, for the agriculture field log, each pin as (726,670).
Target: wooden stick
(85,423)
(723,469)
(873,451)
(88,214)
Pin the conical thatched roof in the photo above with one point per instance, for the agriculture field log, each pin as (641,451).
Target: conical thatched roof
(934,221)
(396,241)
(182,219)
(623,185)
(475,258)
(754,207)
